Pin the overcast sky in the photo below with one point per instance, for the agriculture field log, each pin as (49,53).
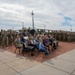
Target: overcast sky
(54,14)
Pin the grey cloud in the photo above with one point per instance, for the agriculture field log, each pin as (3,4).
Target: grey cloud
(47,11)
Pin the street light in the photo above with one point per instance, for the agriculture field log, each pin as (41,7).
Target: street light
(22,24)
(32,19)
(44,26)
(71,28)
(13,28)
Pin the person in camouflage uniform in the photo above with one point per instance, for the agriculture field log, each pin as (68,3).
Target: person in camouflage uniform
(53,33)
(69,37)
(64,36)
(3,39)
(72,36)
(9,39)
(57,35)
(60,36)
(0,38)
(12,38)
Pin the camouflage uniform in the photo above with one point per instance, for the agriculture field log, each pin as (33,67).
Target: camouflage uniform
(57,36)
(3,39)
(9,39)
(65,36)
(73,37)
(0,38)
(60,36)
(69,37)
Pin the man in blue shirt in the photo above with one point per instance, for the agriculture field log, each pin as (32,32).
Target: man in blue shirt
(43,49)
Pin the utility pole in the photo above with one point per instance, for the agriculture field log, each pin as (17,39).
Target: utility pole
(32,19)
(13,28)
(71,28)
(44,27)
(22,24)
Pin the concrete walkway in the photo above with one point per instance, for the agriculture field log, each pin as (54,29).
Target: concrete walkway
(12,64)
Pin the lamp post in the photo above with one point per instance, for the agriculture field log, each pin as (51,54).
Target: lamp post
(32,19)
(44,27)
(22,23)
(13,28)
(71,28)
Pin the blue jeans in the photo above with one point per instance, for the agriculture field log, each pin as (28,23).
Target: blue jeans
(44,50)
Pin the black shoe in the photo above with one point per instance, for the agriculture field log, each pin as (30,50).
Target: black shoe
(32,54)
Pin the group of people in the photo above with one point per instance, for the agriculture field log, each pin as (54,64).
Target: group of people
(40,42)
(65,36)
(7,38)
(29,41)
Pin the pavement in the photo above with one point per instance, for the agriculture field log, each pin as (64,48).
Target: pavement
(12,64)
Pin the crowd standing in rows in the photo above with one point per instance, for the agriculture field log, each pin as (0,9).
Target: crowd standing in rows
(30,40)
